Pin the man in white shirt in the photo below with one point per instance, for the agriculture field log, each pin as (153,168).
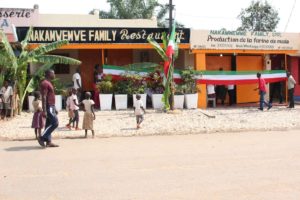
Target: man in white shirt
(291,85)
(77,83)
(7,92)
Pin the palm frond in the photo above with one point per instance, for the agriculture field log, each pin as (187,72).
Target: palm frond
(55,59)
(46,48)
(158,48)
(24,42)
(165,40)
(8,52)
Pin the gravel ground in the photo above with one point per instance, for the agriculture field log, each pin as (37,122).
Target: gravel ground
(122,123)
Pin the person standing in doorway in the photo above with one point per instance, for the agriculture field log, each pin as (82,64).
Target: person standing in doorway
(291,85)
(262,92)
(49,110)
(221,91)
(77,83)
(230,89)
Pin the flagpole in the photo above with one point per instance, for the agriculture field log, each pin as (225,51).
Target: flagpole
(172,62)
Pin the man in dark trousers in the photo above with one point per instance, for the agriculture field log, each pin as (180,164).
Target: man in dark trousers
(49,110)
(291,85)
(262,92)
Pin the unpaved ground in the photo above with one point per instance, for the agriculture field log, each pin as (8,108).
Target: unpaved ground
(232,166)
(122,123)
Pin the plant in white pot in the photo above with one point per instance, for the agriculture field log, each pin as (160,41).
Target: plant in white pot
(178,97)
(121,93)
(190,89)
(136,85)
(156,88)
(105,87)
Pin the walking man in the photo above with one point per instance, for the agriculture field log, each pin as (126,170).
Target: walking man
(262,92)
(291,85)
(49,110)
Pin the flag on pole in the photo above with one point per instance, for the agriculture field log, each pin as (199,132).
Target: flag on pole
(170,51)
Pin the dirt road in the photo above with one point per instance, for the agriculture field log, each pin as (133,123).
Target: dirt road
(237,166)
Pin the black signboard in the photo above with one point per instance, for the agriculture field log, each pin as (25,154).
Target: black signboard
(99,35)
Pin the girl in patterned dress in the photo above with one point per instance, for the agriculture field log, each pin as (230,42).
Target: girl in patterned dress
(38,121)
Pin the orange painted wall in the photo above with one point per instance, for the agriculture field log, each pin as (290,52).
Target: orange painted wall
(88,57)
(246,93)
(216,62)
(200,64)
(119,57)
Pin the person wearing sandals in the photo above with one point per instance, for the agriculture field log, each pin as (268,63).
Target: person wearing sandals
(38,121)
(89,115)
(49,110)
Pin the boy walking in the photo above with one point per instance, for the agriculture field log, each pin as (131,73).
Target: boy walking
(139,111)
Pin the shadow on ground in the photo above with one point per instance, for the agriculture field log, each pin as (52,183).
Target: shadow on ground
(24,148)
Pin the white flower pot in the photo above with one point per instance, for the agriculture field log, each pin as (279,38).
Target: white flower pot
(30,100)
(58,102)
(178,101)
(191,101)
(105,101)
(157,101)
(121,101)
(143,98)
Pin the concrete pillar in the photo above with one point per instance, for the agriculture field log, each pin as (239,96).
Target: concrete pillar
(200,64)
(267,66)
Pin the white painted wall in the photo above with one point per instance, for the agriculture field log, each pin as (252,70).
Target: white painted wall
(71,20)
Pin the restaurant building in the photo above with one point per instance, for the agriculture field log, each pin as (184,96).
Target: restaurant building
(101,41)
(121,42)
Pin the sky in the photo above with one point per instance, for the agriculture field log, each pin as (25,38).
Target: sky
(195,14)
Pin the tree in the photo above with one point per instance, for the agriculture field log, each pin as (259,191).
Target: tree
(15,67)
(259,16)
(137,9)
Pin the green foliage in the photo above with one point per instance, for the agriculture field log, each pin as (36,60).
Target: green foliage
(259,16)
(155,82)
(15,67)
(137,9)
(106,86)
(189,84)
(122,86)
(179,89)
(136,83)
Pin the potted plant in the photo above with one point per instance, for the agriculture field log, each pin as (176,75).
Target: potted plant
(121,88)
(179,96)
(190,89)
(156,88)
(60,91)
(105,87)
(136,85)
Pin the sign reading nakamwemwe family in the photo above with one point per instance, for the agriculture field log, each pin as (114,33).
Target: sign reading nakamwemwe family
(99,35)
